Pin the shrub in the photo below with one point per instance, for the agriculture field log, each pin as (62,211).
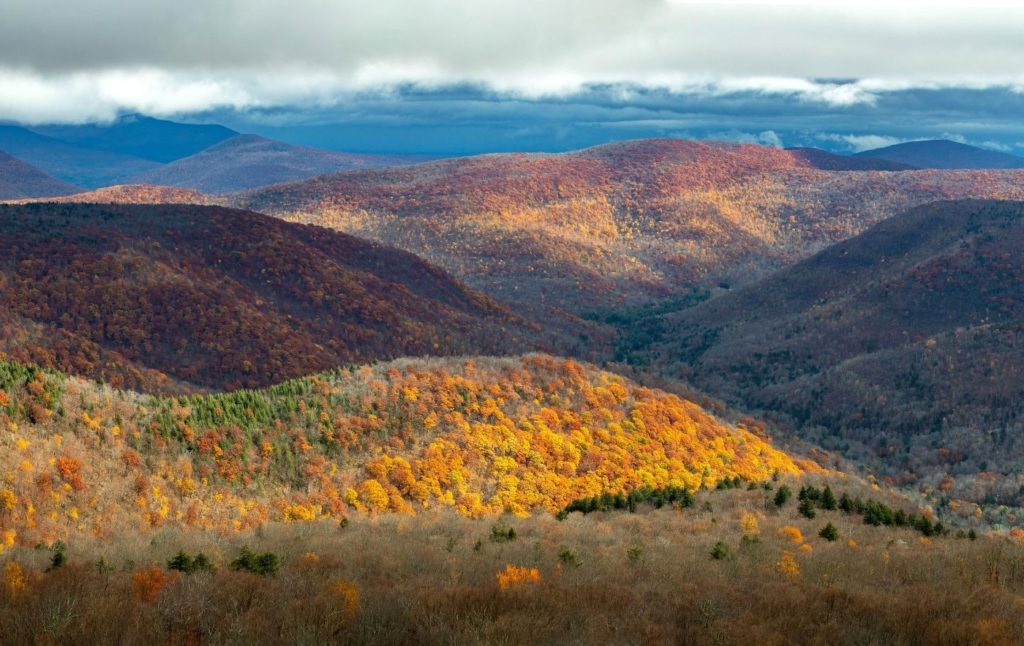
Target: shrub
(720,551)
(787,565)
(502,533)
(262,564)
(792,534)
(569,557)
(58,558)
(635,553)
(829,533)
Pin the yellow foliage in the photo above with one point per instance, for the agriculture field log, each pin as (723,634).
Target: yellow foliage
(373,495)
(305,513)
(748,523)
(344,596)
(8,499)
(14,579)
(514,576)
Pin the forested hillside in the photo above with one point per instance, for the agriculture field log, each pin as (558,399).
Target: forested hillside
(172,298)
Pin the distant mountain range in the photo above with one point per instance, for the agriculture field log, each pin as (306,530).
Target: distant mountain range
(157,140)
(85,167)
(941,153)
(142,150)
(214,159)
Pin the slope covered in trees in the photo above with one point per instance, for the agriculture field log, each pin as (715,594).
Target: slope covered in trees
(20,180)
(129,194)
(172,297)
(901,347)
(481,436)
(617,224)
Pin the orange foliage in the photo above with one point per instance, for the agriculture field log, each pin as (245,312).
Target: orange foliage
(70,471)
(514,576)
(147,583)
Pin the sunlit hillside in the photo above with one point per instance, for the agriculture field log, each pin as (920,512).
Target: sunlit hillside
(622,223)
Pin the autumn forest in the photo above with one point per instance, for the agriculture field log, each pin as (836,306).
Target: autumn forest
(582,409)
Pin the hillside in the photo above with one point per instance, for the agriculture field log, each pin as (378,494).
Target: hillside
(131,194)
(183,297)
(481,436)
(21,180)
(901,347)
(941,153)
(250,161)
(620,224)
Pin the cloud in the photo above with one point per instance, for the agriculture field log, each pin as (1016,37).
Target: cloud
(184,55)
(860,143)
(995,145)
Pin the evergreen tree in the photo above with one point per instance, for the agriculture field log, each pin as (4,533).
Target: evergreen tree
(807,508)
(828,499)
(782,496)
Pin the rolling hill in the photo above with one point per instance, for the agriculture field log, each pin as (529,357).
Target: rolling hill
(901,346)
(76,165)
(481,436)
(172,298)
(21,180)
(250,161)
(942,153)
(621,224)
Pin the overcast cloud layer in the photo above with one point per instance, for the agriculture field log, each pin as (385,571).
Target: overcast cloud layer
(286,64)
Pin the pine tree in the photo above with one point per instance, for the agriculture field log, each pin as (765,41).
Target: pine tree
(828,499)
(807,508)
(782,496)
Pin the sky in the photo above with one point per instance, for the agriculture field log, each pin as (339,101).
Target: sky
(468,76)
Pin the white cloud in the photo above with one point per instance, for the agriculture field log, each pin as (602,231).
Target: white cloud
(995,145)
(860,143)
(167,56)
